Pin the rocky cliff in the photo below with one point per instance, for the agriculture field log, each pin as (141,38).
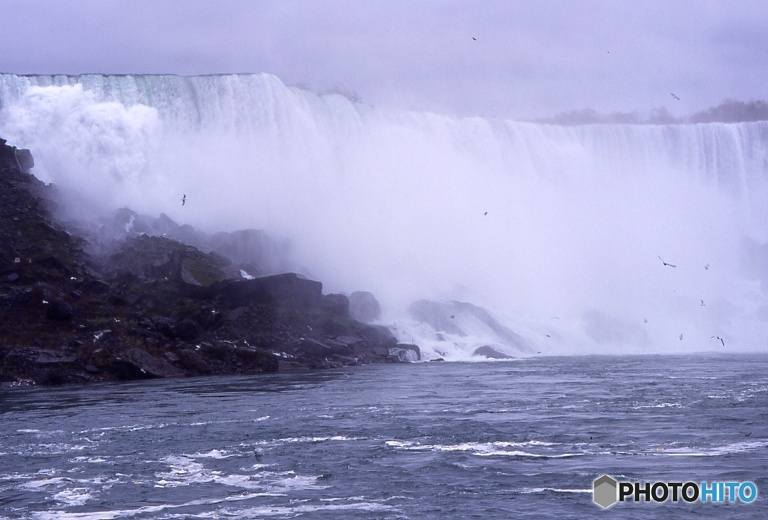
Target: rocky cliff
(150,306)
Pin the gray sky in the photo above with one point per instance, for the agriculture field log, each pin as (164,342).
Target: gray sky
(500,58)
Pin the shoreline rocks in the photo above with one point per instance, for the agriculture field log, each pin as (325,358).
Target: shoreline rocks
(153,307)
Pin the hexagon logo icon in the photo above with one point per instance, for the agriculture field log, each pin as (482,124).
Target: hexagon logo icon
(605,491)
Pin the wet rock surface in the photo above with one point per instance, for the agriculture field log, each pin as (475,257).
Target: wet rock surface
(150,306)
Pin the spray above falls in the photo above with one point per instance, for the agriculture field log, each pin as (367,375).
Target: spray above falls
(470,231)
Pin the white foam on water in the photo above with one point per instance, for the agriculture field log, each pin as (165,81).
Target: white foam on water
(215,454)
(483,449)
(304,440)
(70,497)
(91,460)
(302,509)
(734,447)
(185,471)
(657,405)
(552,490)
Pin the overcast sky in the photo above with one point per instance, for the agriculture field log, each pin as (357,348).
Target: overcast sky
(500,58)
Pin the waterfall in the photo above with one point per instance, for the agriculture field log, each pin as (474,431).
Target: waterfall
(554,236)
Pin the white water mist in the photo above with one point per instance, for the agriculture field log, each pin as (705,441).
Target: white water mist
(556,230)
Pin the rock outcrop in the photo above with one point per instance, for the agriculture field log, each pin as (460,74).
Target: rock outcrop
(154,307)
(363,306)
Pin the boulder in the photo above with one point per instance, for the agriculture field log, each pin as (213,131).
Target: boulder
(24,159)
(314,348)
(188,330)
(490,353)
(288,290)
(59,310)
(136,363)
(376,336)
(345,345)
(363,306)
(194,362)
(336,304)
(253,360)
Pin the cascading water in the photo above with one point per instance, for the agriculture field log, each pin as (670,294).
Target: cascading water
(528,238)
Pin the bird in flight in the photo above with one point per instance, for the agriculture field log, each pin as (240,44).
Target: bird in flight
(665,263)
(721,339)
(674,96)
(184,199)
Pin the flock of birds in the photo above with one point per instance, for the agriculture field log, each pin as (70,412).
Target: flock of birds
(702,304)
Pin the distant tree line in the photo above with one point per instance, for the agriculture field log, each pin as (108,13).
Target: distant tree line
(729,111)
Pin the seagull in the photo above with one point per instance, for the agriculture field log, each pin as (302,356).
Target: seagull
(475,39)
(665,263)
(184,199)
(674,96)
(681,337)
(706,267)
(702,303)
(485,213)
(721,339)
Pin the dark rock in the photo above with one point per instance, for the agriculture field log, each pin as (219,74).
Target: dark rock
(24,159)
(219,351)
(339,349)
(59,310)
(194,362)
(165,328)
(188,330)
(170,356)
(287,290)
(363,306)
(235,314)
(377,335)
(314,348)
(55,264)
(491,353)
(47,357)
(108,303)
(92,286)
(136,363)
(253,360)
(336,304)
